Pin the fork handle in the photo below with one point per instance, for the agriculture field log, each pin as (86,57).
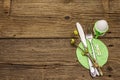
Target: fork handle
(97,70)
(92,69)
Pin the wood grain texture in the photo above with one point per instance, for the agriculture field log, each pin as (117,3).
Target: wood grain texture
(49,59)
(106,5)
(7,6)
(35,39)
(52,27)
(1,7)
(115,6)
(35,18)
(55,7)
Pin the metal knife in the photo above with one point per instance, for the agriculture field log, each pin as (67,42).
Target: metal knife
(83,40)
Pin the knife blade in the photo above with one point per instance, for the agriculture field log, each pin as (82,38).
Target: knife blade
(81,34)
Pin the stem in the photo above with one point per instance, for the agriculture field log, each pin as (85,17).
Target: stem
(96,36)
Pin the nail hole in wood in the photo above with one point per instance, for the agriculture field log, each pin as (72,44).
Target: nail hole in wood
(45,65)
(109,68)
(32,49)
(109,75)
(83,75)
(67,17)
(109,32)
(5,12)
(14,35)
(76,60)
(110,45)
(49,17)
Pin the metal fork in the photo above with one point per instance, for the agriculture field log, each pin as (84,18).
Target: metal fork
(89,36)
(92,69)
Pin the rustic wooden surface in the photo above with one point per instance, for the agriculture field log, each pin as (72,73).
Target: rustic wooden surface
(35,38)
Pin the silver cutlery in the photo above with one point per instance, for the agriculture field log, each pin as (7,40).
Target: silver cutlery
(83,40)
(89,36)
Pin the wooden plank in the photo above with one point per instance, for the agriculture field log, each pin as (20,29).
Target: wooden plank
(53,59)
(52,26)
(57,73)
(55,7)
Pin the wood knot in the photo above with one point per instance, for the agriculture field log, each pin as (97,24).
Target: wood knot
(67,17)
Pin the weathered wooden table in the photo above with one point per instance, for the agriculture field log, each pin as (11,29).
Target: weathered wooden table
(35,38)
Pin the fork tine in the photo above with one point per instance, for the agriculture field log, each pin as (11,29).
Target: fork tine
(91,26)
(87,28)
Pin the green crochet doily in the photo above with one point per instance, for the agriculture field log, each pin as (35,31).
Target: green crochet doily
(100,49)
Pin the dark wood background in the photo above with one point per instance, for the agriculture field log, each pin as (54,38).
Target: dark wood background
(35,38)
